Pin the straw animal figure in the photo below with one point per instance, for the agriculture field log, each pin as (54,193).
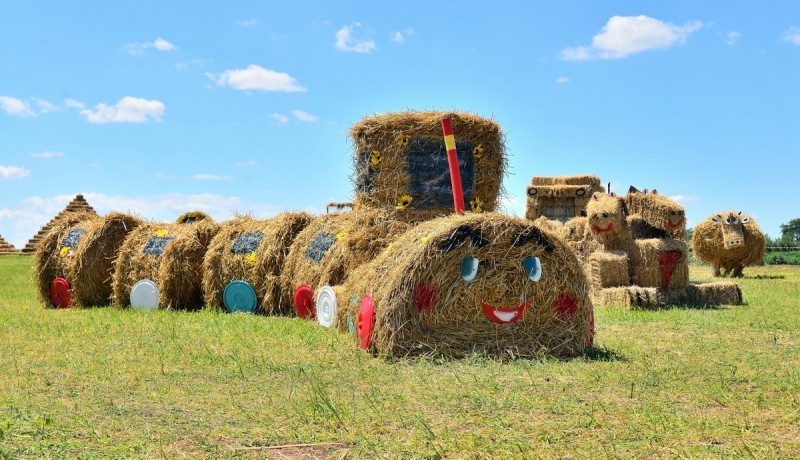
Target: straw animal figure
(80,249)
(458,285)
(170,256)
(253,252)
(729,241)
(651,215)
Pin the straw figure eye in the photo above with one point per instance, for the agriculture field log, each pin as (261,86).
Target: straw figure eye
(727,220)
(404,202)
(745,220)
(376,157)
(735,220)
(533,268)
(605,214)
(469,268)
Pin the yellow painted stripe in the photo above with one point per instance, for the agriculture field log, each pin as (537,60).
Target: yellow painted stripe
(450,142)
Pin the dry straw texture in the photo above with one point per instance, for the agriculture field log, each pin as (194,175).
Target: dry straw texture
(606,222)
(48,263)
(424,305)
(650,298)
(713,242)
(253,251)
(608,269)
(656,215)
(560,198)
(656,258)
(333,245)
(6,247)
(401,163)
(171,255)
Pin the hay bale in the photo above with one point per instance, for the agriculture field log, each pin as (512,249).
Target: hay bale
(464,284)
(192,216)
(330,247)
(655,216)
(650,298)
(631,297)
(709,294)
(170,255)
(401,163)
(608,269)
(252,251)
(560,198)
(606,222)
(660,263)
(66,231)
(729,241)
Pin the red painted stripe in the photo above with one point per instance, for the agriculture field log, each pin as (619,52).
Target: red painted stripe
(455,172)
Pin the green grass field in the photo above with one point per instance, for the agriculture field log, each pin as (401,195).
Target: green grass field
(116,383)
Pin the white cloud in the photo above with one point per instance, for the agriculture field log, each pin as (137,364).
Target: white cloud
(16,107)
(5,213)
(126,110)
(256,77)
(304,116)
(792,35)
(45,106)
(199,63)
(685,199)
(626,35)
(203,176)
(280,118)
(400,37)
(562,80)
(47,154)
(345,41)
(732,37)
(13,172)
(247,22)
(137,49)
(247,163)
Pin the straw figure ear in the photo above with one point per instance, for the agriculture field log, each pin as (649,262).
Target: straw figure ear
(633,189)
(654,192)
(594,197)
(460,235)
(716,218)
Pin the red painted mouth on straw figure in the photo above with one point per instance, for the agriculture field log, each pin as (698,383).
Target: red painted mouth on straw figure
(597,229)
(504,315)
(677,224)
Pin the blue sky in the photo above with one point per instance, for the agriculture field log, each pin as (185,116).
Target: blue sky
(160,107)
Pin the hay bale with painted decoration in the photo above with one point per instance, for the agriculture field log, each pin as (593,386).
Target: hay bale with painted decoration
(401,163)
(328,249)
(50,265)
(249,253)
(458,285)
(606,220)
(661,263)
(654,216)
(161,264)
(729,241)
(560,198)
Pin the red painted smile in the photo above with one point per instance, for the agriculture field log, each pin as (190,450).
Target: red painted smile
(677,224)
(597,229)
(504,315)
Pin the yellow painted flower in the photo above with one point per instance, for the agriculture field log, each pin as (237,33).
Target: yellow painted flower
(477,152)
(251,258)
(403,140)
(424,240)
(476,205)
(376,157)
(341,235)
(64,251)
(161,232)
(404,202)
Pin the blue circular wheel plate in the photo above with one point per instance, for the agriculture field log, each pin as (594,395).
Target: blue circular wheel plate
(239,296)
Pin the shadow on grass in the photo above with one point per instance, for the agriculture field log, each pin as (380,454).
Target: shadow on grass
(598,354)
(765,277)
(603,354)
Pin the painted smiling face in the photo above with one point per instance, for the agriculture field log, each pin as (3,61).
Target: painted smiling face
(606,216)
(477,283)
(659,212)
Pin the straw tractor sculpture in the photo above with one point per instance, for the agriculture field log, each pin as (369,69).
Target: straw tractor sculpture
(633,252)
(729,241)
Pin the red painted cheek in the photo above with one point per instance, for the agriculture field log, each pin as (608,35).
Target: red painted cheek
(425,296)
(565,305)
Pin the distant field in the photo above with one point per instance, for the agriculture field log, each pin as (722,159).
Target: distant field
(683,382)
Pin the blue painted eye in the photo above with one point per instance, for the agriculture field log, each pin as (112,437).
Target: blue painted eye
(533,268)
(469,268)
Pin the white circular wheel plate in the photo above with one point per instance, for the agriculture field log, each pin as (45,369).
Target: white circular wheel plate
(144,295)
(326,306)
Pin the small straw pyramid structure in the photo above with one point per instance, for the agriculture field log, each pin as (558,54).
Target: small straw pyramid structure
(5,247)
(78,204)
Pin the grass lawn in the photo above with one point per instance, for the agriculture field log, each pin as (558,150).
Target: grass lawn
(116,383)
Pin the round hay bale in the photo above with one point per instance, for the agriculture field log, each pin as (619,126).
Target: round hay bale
(251,251)
(85,253)
(171,255)
(333,245)
(476,283)
(400,163)
(729,241)
(192,216)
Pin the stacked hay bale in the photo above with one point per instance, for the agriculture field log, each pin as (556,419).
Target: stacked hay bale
(242,267)
(458,285)
(401,178)
(77,205)
(654,216)
(729,241)
(5,247)
(560,198)
(160,264)
(74,262)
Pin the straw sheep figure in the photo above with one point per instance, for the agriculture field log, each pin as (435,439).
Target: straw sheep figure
(729,241)
(651,215)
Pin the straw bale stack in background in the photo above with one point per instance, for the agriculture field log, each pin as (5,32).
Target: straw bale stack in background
(401,163)
(560,198)
(168,254)
(251,251)
(457,285)
(729,241)
(81,249)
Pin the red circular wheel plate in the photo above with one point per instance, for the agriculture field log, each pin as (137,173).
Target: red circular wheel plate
(366,321)
(304,301)
(60,293)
